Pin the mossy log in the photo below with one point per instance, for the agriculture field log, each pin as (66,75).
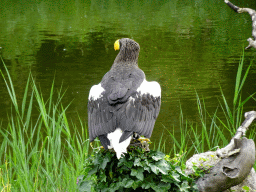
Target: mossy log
(230,165)
(230,171)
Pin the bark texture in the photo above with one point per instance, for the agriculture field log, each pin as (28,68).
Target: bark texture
(230,171)
(230,166)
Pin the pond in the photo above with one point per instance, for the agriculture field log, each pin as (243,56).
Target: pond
(191,47)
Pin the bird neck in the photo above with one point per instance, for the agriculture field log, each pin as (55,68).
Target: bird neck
(126,58)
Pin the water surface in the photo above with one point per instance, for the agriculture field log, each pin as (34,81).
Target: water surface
(189,47)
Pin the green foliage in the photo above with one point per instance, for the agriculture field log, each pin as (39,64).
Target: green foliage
(40,153)
(199,172)
(137,170)
(246,188)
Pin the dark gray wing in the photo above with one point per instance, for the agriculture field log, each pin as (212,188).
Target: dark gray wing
(119,104)
(107,100)
(140,115)
(101,119)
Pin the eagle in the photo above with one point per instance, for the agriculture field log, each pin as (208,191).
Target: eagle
(124,102)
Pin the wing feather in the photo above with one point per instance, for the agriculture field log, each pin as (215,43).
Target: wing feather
(113,105)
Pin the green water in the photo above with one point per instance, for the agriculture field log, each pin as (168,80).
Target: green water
(189,47)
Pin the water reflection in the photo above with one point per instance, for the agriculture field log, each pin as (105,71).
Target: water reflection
(189,47)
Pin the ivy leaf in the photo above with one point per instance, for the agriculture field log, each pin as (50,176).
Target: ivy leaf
(175,177)
(181,173)
(146,185)
(85,186)
(184,187)
(163,167)
(121,162)
(123,182)
(137,162)
(163,170)
(167,179)
(103,178)
(147,169)
(134,172)
(98,159)
(80,178)
(125,163)
(161,187)
(105,190)
(129,183)
(129,164)
(153,168)
(138,173)
(136,184)
(114,187)
(105,162)
(92,171)
(158,156)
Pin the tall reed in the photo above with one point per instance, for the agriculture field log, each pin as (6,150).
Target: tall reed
(42,153)
(211,130)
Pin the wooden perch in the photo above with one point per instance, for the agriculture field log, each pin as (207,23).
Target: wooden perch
(252,13)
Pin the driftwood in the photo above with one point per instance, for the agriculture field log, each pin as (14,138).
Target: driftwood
(252,13)
(230,171)
(231,147)
(228,166)
(250,182)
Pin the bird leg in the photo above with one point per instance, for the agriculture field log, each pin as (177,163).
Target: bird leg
(141,142)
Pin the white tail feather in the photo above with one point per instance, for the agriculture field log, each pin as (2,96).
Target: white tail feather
(120,148)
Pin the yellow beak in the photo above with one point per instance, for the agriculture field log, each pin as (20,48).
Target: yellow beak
(117,45)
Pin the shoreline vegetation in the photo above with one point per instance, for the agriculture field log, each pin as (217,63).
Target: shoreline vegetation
(48,152)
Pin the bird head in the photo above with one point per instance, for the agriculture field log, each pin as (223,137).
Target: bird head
(129,50)
(126,43)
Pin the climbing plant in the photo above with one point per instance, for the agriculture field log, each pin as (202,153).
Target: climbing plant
(135,171)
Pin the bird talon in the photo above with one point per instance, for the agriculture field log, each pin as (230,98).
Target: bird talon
(143,139)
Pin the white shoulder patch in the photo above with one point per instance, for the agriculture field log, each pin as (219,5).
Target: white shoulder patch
(153,88)
(96,92)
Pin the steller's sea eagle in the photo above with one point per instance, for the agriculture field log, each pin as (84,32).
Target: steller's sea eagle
(124,102)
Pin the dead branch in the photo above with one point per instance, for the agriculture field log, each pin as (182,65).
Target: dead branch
(230,148)
(252,13)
